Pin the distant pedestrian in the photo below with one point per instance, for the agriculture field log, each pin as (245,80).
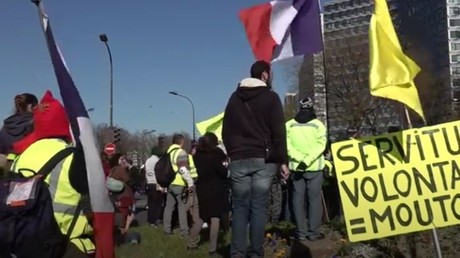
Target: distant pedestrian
(254,136)
(125,199)
(155,193)
(183,183)
(211,190)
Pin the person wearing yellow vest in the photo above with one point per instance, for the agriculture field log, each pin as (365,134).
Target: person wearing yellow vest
(181,184)
(192,200)
(306,141)
(67,180)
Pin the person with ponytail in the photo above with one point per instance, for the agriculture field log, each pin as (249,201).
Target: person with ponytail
(18,125)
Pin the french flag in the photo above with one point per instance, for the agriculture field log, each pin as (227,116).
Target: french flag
(82,132)
(282,29)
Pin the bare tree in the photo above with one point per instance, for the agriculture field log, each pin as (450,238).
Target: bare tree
(349,99)
(144,140)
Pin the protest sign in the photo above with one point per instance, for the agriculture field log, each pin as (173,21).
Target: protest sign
(401,182)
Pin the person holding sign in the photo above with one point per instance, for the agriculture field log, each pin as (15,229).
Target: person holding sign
(306,142)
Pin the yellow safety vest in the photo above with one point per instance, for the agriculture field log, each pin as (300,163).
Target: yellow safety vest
(178,180)
(65,198)
(306,142)
(193,171)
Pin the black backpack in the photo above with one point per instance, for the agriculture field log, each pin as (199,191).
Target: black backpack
(164,171)
(27,225)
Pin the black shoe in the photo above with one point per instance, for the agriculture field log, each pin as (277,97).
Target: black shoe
(317,237)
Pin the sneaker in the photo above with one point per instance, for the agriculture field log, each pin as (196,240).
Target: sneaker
(205,225)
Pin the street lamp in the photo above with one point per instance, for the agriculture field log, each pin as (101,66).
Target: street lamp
(104,39)
(193,109)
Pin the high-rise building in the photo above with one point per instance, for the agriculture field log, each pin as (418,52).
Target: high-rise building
(291,103)
(430,32)
(346,55)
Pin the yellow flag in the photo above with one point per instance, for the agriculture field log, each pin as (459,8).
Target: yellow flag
(212,125)
(392,73)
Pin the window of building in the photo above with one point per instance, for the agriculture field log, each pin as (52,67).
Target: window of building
(454,22)
(455,46)
(455,34)
(456,70)
(455,93)
(454,10)
(455,83)
(455,58)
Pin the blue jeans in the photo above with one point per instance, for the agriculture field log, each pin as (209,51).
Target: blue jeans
(251,181)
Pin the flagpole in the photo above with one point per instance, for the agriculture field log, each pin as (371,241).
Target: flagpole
(434,233)
(41,14)
(321,22)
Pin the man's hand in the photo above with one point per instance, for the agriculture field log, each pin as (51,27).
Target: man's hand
(285,172)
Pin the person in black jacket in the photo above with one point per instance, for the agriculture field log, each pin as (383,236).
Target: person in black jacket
(254,136)
(210,162)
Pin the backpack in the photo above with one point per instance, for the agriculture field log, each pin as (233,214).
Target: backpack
(164,171)
(28,227)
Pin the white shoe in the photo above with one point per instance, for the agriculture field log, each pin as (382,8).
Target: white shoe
(205,225)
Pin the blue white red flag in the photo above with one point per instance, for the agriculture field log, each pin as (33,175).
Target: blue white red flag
(82,131)
(282,29)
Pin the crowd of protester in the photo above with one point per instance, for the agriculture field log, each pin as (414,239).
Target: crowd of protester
(269,170)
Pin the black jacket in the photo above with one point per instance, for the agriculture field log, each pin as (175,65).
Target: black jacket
(245,134)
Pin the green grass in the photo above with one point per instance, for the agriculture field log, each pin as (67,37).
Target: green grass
(154,243)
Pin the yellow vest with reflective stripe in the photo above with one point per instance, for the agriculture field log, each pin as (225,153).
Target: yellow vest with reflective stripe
(65,198)
(304,139)
(179,181)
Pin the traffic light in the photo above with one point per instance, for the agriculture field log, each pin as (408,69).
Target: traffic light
(116,135)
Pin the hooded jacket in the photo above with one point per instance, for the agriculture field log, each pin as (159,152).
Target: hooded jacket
(14,129)
(246,134)
(306,141)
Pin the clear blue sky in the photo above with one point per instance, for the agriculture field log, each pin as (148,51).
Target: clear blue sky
(197,48)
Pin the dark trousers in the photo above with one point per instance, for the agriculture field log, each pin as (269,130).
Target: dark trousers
(155,203)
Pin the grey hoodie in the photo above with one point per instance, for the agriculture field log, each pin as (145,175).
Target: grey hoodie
(14,129)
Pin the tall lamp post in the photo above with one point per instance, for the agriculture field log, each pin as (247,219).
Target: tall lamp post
(193,109)
(104,39)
